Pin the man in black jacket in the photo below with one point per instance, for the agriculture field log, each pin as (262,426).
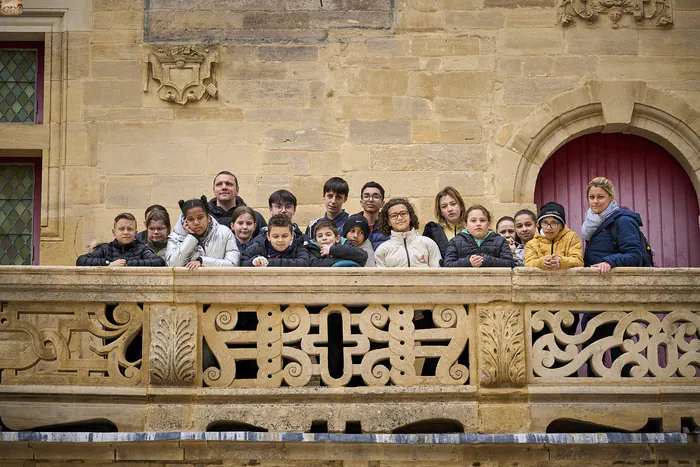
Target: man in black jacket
(226,199)
(124,250)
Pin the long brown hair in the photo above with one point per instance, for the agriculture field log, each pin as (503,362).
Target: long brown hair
(449,191)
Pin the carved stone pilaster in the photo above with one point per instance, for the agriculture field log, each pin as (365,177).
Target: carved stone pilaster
(658,11)
(501,346)
(185,72)
(173,347)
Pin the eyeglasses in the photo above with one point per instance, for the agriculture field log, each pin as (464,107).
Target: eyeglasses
(157,229)
(375,196)
(396,215)
(550,225)
(286,207)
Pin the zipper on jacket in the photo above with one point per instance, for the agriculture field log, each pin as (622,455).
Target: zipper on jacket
(408,257)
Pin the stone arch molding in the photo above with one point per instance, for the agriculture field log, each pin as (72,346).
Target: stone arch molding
(601,106)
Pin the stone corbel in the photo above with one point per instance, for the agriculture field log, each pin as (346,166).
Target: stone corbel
(185,73)
(658,10)
(501,346)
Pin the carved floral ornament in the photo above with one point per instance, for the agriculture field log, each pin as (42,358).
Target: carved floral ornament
(657,10)
(185,72)
(11,7)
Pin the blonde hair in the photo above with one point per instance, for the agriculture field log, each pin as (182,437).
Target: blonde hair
(602,182)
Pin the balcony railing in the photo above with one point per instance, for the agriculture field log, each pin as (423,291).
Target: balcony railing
(376,351)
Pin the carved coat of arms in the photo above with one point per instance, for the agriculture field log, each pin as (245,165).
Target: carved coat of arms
(185,72)
(658,10)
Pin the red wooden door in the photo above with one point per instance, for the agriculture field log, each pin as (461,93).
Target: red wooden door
(648,180)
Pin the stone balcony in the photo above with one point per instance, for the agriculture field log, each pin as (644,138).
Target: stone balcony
(394,351)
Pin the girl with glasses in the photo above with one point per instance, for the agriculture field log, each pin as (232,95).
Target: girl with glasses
(405,248)
(555,246)
(157,231)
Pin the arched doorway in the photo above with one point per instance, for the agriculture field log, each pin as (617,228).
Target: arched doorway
(647,179)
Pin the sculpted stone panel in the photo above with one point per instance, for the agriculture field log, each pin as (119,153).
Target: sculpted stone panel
(501,346)
(299,346)
(73,343)
(185,73)
(635,344)
(659,11)
(173,353)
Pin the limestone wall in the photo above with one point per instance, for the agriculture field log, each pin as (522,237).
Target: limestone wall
(414,94)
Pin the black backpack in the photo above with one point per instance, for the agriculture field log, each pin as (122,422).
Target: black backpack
(647,251)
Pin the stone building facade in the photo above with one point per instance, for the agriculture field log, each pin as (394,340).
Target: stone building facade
(414,94)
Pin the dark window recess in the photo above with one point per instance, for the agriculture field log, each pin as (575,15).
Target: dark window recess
(21,82)
(20,196)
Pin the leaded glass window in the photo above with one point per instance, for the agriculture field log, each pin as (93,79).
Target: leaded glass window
(19,83)
(16,213)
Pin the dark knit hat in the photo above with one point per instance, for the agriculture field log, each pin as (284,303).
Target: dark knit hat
(356,220)
(552,209)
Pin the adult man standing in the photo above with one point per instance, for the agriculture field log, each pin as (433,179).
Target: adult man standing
(226,199)
(372,201)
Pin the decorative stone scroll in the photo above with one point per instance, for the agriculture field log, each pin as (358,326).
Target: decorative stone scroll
(659,11)
(501,346)
(172,356)
(641,344)
(185,72)
(298,346)
(71,343)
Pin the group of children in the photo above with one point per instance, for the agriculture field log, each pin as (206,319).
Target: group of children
(381,235)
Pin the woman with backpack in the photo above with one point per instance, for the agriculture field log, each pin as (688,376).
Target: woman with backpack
(612,232)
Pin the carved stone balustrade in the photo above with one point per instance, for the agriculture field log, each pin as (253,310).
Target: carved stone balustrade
(378,351)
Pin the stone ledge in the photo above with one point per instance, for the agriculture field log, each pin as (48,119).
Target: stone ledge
(285,437)
(363,286)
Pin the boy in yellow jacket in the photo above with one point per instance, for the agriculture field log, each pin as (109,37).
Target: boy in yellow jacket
(555,246)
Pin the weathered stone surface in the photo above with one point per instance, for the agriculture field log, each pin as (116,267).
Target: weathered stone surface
(535,41)
(380,132)
(288,53)
(428,157)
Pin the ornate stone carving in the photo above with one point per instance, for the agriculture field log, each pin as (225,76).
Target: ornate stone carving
(501,347)
(646,342)
(11,7)
(73,343)
(657,10)
(185,72)
(173,346)
(293,345)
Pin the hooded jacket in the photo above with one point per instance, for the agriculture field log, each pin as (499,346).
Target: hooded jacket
(494,249)
(341,251)
(628,249)
(367,247)
(135,254)
(436,232)
(224,217)
(217,248)
(338,221)
(159,248)
(566,245)
(296,255)
(407,249)
(376,238)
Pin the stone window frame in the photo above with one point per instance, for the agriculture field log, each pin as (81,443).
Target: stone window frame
(47,22)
